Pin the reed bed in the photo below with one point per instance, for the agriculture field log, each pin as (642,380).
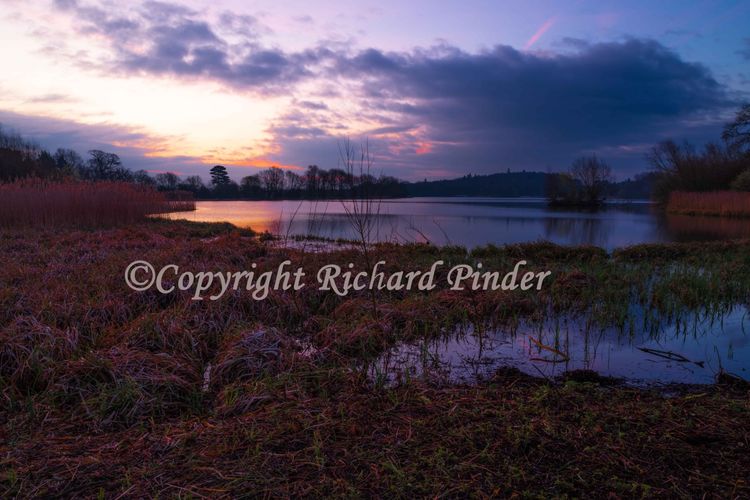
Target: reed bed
(715,203)
(180,201)
(79,204)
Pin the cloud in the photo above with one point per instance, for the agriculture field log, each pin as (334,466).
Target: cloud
(510,108)
(136,147)
(51,98)
(427,109)
(162,38)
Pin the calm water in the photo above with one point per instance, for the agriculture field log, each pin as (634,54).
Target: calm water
(708,342)
(472,222)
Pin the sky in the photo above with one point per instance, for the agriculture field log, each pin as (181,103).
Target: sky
(439,89)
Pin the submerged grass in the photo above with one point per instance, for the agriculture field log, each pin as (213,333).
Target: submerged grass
(107,391)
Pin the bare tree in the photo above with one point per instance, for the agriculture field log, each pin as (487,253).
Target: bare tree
(293,181)
(272,180)
(737,133)
(592,174)
(194,183)
(363,209)
(105,166)
(167,181)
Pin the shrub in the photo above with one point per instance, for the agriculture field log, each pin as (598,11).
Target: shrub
(683,168)
(742,182)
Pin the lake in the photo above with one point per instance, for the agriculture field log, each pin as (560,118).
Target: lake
(472,222)
(707,341)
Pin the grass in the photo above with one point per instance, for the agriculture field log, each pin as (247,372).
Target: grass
(82,204)
(107,391)
(715,203)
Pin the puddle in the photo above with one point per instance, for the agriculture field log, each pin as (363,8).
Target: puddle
(699,344)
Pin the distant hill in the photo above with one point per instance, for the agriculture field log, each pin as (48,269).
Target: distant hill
(509,184)
(515,184)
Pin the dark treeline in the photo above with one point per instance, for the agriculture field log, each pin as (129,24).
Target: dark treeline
(508,184)
(588,181)
(717,166)
(313,183)
(514,184)
(20,158)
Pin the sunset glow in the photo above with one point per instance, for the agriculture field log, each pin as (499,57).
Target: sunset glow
(182,86)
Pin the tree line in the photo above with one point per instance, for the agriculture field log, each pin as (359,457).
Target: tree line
(588,181)
(313,183)
(21,158)
(718,166)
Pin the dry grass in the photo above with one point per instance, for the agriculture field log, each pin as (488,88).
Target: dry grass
(108,392)
(719,203)
(80,204)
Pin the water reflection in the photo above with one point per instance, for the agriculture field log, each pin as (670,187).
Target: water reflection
(475,221)
(708,341)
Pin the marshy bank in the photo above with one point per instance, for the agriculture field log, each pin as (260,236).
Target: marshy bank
(106,391)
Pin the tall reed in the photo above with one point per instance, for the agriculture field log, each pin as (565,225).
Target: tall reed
(723,203)
(34,202)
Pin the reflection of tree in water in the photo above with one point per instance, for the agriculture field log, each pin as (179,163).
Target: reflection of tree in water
(334,225)
(577,231)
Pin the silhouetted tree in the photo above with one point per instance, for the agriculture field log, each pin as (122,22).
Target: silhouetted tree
(592,174)
(681,167)
(742,182)
(293,181)
(194,183)
(250,186)
(105,166)
(560,187)
(272,180)
(167,181)
(142,177)
(219,176)
(68,162)
(737,132)
(311,180)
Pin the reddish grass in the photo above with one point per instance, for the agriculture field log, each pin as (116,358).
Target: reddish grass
(82,204)
(721,203)
(106,392)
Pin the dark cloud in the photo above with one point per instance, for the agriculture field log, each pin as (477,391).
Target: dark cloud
(312,105)
(177,42)
(507,108)
(294,131)
(454,110)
